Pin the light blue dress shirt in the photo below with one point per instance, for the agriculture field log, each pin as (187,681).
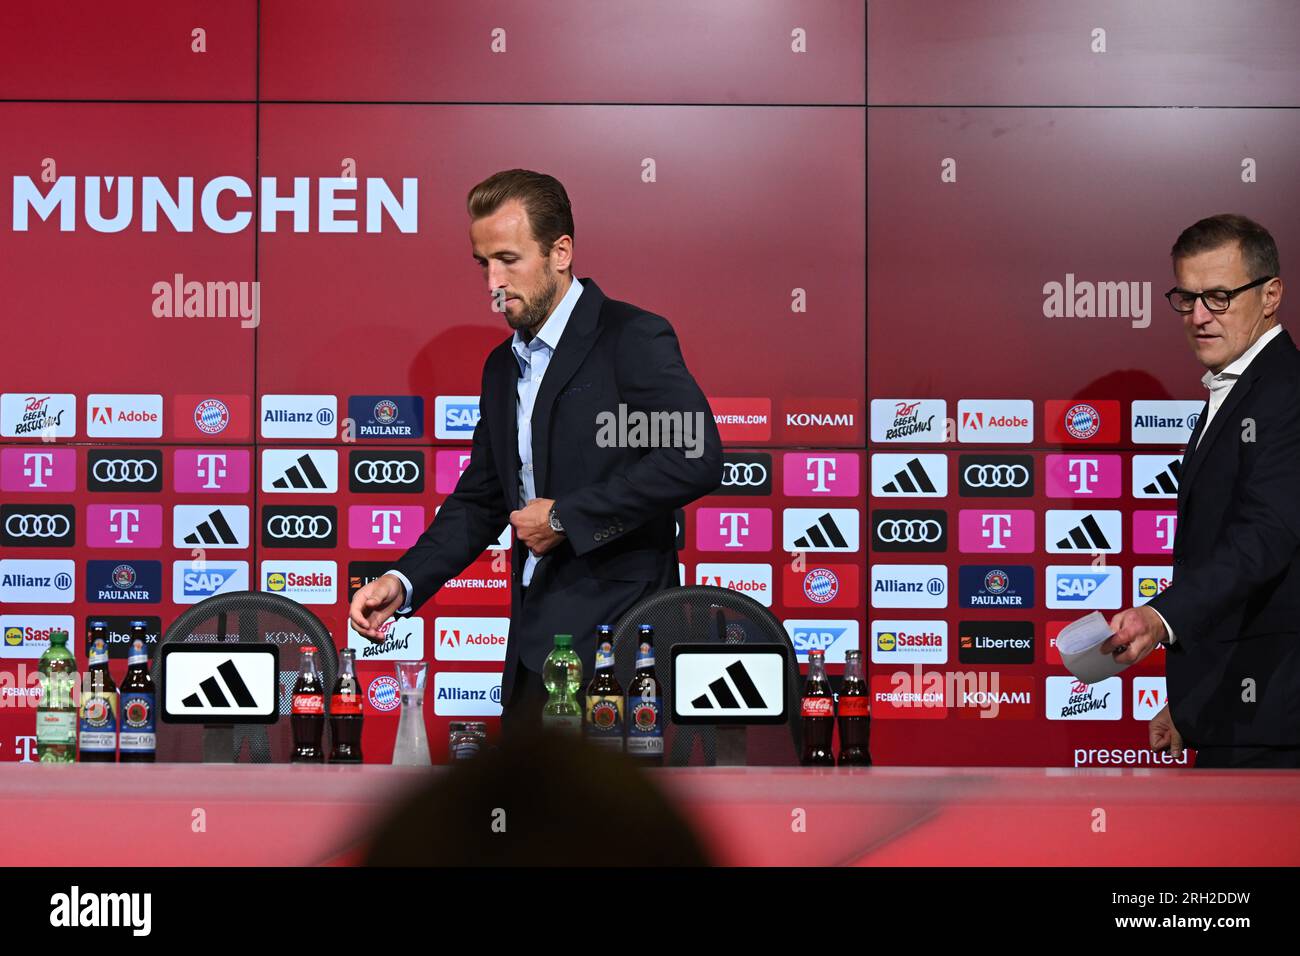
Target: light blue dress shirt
(534,358)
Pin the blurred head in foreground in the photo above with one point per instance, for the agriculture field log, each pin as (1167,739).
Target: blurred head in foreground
(541,799)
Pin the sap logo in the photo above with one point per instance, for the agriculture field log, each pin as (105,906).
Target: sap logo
(455,416)
(1070,587)
(194,581)
(1079,586)
(206,582)
(816,640)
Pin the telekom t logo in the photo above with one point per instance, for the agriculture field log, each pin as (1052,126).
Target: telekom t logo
(462,462)
(124,522)
(386,523)
(734,525)
(211,467)
(820,471)
(37,466)
(993,529)
(27,747)
(1165,527)
(1083,474)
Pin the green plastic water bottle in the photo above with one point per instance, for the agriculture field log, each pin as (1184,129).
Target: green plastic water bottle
(562,676)
(56,713)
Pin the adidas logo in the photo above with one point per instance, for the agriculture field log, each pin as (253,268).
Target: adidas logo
(302,475)
(1085,536)
(214,530)
(824,534)
(1166,482)
(210,693)
(912,480)
(721,697)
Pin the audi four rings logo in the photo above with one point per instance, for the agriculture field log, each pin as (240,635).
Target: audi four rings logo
(1001,476)
(370,472)
(906,532)
(299,526)
(745,475)
(37,526)
(133,470)
(909,530)
(996,476)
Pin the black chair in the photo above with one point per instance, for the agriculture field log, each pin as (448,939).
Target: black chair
(703,614)
(248,617)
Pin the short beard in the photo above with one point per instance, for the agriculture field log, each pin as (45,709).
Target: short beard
(538,307)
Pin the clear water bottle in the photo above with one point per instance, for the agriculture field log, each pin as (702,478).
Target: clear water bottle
(562,676)
(412,747)
(56,712)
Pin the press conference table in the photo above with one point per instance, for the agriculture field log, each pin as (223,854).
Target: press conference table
(257,815)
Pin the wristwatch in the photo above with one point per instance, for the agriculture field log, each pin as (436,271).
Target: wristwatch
(555,522)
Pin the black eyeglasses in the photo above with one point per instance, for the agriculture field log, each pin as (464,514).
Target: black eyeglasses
(1216,300)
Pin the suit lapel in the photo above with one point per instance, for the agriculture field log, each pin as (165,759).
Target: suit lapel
(1196,453)
(1215,429)
(1190,451)
(579,336)
(505,426)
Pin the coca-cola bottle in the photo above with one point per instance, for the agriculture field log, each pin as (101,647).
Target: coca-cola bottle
(345,713)
(817,712)
(308,711)
(855,714)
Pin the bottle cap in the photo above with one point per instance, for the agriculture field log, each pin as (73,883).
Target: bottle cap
(563,640)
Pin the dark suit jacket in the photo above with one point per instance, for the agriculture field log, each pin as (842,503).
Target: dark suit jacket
(1234,604)
(616,503)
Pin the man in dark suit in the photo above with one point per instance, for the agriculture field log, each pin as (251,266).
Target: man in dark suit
(591,503)
(1230,620)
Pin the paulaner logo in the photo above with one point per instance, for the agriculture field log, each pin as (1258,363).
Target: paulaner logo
(330,199)
(103,909)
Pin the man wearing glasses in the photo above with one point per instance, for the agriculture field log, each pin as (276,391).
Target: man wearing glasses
(1230,620)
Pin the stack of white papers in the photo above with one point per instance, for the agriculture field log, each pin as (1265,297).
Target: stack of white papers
(1078,643)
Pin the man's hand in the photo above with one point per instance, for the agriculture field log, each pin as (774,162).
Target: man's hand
(1164,735)
(532,525)
(374,604)
(1135,632)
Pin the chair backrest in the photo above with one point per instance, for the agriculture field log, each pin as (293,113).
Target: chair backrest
(702,614)
(249,617)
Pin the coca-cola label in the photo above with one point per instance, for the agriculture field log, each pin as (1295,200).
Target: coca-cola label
(309,704)
(853,706)
(817,707)
(341,704)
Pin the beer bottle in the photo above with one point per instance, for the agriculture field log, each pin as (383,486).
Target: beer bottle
(99,701)
(345,712)
(139,702)
(605,702)
(818,714)
(855,714)
(645,725)
(308,711)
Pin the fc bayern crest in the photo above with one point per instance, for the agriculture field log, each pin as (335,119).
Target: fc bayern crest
(211,416)
(386,412)
(124,577)
(820,585)
(1082,421)
(995,582)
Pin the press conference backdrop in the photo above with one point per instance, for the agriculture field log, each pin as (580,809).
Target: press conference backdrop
(305,168)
